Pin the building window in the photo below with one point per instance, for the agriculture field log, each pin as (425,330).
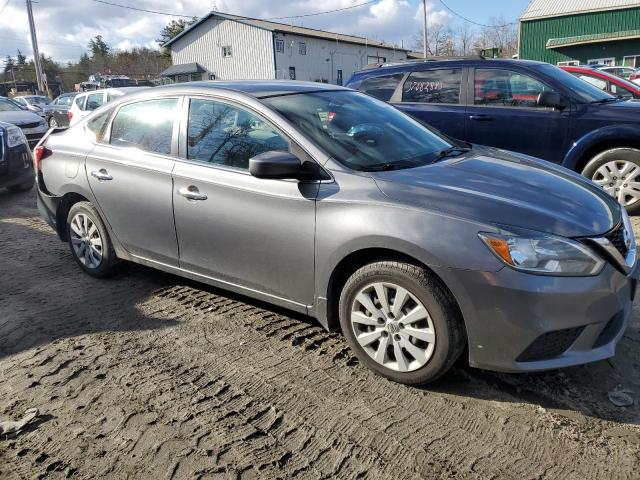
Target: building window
(292,73)
(279,46)
(631,61)
(302,48)
(226,51)
(212,76)
(611,61)
(339,77)
(569,63)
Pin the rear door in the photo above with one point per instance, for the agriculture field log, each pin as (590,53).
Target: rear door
(130,176)
(437,97)
(503,113)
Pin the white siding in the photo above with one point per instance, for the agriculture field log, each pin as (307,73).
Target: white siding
(325,57)
(252,50)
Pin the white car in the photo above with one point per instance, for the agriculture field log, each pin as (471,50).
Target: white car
(628,73)
(86,102)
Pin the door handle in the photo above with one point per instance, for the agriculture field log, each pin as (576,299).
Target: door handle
(191,193)
(102,175)
(480,118)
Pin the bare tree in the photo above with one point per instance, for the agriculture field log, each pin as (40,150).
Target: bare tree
(464,36)
(499,34)
(440,40)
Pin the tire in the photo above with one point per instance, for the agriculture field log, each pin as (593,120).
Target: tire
(82,236)
(441,331)
(614,169)
(22,187)
(53,123)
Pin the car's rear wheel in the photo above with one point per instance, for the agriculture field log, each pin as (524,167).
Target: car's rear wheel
(400,322)
(617,171)
(89,241)
(53,123)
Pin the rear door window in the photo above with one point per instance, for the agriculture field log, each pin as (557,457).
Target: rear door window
(381,87)
(94,101)
(146,125)
(79,101)
(433,86)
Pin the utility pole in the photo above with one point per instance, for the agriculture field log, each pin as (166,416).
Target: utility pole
(424,29)
(36,52)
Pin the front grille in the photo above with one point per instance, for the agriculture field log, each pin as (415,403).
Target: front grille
(610,331)
(616,237)
(550,345)
(30,125)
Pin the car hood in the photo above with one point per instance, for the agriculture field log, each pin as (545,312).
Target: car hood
(506,189)
(20,118)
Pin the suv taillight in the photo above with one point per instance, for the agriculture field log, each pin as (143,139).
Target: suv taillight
(41,152)
(69,115)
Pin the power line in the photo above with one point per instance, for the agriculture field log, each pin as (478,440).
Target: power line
(471,21)
(142,9)
(322,13)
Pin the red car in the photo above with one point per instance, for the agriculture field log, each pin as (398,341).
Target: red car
(612,84)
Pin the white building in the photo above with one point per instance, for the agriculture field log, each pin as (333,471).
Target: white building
(230,47)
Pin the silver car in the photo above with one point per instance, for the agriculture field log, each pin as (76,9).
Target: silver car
(331,203)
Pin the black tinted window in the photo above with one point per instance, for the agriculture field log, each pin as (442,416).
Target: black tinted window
(381,87)
(145,125)
(222,134)
(433,86)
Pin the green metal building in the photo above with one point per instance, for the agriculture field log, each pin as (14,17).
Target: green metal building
(572,32)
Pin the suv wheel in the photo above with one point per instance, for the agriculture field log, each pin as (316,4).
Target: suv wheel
(400,322)
(617,171)
(89,241)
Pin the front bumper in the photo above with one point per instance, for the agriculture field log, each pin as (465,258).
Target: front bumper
(16,166)
(521,322)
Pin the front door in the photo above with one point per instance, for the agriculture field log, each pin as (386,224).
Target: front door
(130,177)
(254,233)
(503,113)
(436,98)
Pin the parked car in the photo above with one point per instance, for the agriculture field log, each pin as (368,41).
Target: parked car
(57,112)
(334,204)
(624,72)
(616,86)
(524,106)
(32,125)
(86,102)
(33,103)
(16,162)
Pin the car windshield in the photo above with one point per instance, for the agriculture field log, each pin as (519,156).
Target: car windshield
(359,131)
(39,100)
(584,90)
(8,106)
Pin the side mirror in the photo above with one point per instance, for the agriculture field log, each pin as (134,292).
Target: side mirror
(275,165)
(552,100)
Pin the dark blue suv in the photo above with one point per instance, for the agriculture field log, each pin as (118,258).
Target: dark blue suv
(528,107)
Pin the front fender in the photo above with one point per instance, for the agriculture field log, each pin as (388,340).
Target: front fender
(610,133)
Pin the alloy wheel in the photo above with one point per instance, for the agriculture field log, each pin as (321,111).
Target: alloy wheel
(86,240)
(620,179)
(393,327)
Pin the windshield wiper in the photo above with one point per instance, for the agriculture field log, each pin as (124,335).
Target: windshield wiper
(451,152)
(606,100)
(387,167)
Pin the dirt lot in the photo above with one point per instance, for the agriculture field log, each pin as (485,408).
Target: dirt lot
(151,376)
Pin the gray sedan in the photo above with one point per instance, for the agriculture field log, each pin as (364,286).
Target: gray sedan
(331,203)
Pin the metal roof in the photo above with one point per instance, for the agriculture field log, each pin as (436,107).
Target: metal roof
(183,69)
(285,28)
(556,8)
(595,38)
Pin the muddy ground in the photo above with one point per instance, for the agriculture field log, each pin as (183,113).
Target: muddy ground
(148,375)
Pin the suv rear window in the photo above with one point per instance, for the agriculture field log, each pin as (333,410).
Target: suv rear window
(433,86)
(381,87)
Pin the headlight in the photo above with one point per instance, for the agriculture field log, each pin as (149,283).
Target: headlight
(544,254)
(15,137)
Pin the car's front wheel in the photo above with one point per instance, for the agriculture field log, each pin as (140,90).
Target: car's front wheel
(617,171)
(400,322)
(89,241)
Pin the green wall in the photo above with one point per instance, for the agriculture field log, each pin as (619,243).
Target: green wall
(535,33)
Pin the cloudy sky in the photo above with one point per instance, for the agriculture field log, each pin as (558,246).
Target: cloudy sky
(65,26)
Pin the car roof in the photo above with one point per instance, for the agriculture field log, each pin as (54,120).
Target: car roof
(255,88)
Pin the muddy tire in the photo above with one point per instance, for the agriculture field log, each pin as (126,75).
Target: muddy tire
(89,241)
(617,171)
(400,322)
